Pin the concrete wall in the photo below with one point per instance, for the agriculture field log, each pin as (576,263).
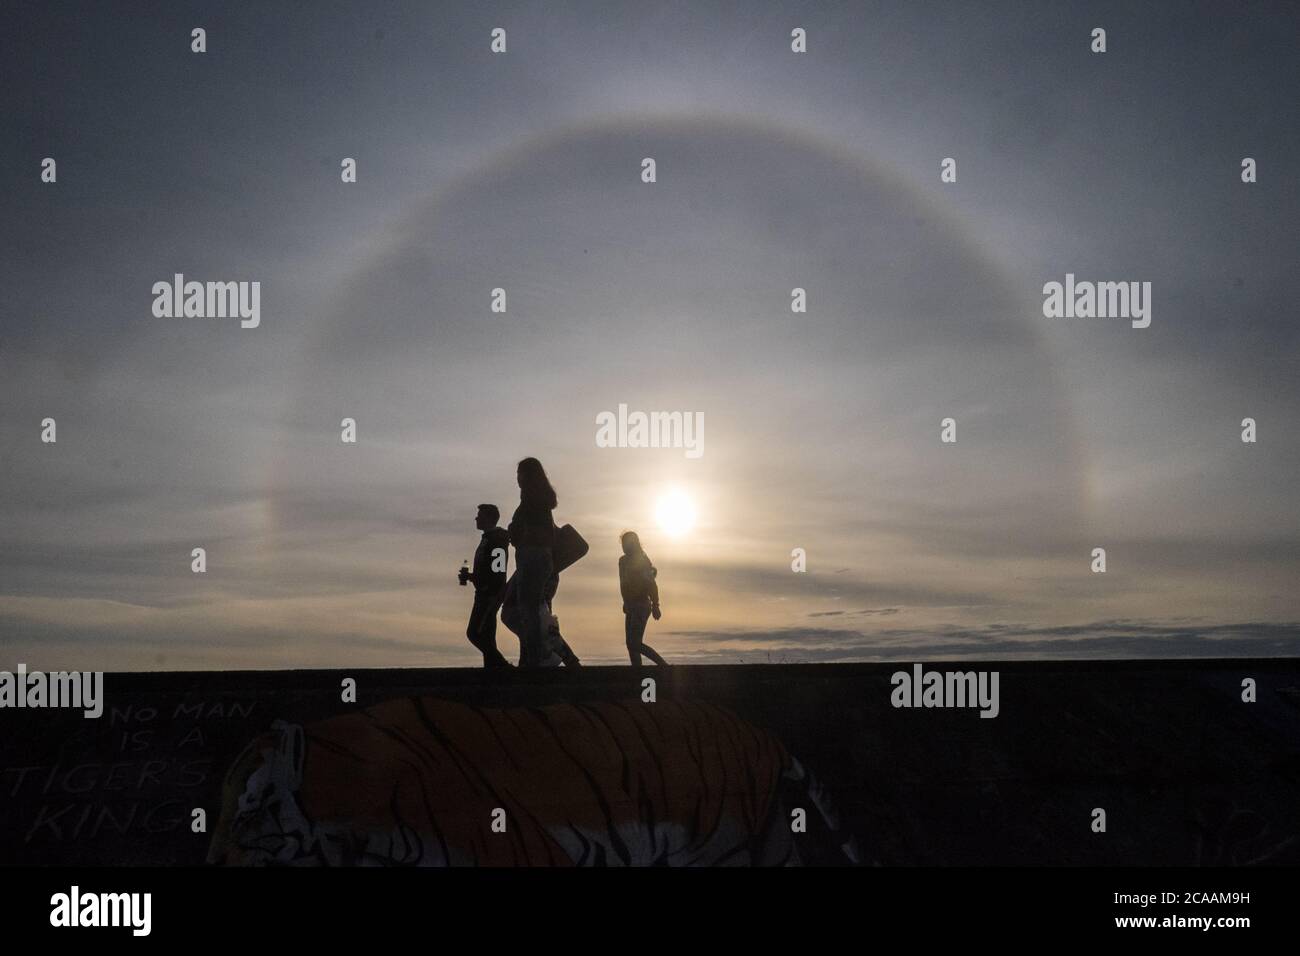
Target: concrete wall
(1186,772)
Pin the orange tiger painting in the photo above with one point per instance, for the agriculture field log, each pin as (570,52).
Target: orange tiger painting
(429,782)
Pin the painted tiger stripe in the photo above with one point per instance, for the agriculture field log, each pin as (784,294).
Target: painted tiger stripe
(416,780)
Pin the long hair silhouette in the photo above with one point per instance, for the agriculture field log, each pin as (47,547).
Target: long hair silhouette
(534,484)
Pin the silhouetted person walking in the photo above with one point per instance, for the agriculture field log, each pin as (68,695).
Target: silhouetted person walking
(532,532)
(636,579)
(558,645)
(489,579)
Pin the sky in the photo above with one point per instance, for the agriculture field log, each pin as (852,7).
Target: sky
(774,170)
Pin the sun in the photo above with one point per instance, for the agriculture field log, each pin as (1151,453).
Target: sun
(675,512)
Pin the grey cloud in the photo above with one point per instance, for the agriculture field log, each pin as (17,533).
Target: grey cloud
(1102,640)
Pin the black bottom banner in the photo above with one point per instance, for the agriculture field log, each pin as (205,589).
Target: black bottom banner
(377,906)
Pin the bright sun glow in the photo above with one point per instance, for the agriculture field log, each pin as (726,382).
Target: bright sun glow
(675,513)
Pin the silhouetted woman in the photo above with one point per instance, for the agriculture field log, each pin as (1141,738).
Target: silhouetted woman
(636,579)
(532,532)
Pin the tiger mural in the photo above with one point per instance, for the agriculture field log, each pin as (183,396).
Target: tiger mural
(420,781)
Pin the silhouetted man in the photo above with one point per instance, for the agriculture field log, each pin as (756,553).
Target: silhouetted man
(489,579)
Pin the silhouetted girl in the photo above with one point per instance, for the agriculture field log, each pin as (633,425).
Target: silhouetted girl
(636,579)
(532,532)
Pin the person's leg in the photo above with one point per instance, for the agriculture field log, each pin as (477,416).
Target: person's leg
(649,652)
(475,629)
(534,570)
(634,629)
(492,657)
(558,645)
(510,615)
(526,598)
(482,630)
(565,652)
(633,647)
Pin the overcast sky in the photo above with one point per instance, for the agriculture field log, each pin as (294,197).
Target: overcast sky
(775,170)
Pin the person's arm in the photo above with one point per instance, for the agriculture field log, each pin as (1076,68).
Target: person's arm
(476,572)
(622,582)
(652,589)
